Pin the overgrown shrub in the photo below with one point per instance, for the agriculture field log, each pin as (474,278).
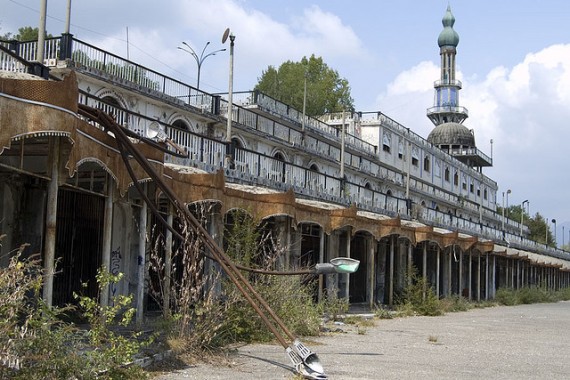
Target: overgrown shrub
(334,306)
(249,243)
(287,296)
(529,295)
(209,311)
(112,348)
(36,343)
(455,303)
(418,297)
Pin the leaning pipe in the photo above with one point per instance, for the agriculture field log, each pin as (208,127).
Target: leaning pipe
(306,362)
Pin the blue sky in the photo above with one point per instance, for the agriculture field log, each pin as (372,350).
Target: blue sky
(513,59)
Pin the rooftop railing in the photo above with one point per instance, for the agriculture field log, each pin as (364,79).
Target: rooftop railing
(448,82)
(450,109)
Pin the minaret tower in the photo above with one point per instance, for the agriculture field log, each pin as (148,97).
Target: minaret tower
(449,133)
(446,103)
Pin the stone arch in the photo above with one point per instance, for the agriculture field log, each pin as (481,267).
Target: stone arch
(87,176)
(280,154)
(113,103)
(239,142)
(181,124)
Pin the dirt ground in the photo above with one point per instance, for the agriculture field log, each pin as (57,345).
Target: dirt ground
(518,342)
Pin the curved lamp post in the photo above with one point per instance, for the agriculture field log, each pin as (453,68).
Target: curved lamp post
(199,58)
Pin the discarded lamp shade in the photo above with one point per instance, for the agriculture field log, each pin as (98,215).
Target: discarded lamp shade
(338,265)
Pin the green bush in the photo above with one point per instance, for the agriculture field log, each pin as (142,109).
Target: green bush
(505,297)
(291,300)
(455,303)
(36,343)
(418,297)
(529,295)
(334,306)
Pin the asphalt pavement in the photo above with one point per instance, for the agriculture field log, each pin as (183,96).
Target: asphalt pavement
(516,342)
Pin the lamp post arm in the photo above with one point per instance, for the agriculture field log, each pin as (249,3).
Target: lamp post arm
(203,50)
(191,51)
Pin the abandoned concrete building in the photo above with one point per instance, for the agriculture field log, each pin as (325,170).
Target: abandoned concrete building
(357,185)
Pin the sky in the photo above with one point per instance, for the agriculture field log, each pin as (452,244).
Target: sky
(513,59)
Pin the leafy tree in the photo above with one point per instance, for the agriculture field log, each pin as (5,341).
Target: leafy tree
(539,230)
(25,33)
(326,90)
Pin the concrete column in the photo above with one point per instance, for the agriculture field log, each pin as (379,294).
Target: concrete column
(449,273)
(167,263)
(288,247)
(410,261)
(391,284)
(283,239)
(332,279)
(347,275)
(51,218)
(438,263)
(486,275)
(424,270)
(107,237)
(478,277)
(513,285)
(370,279)
(508,273)
(461,285)
(470,275)
(322,238)
(141,269)
(493,277)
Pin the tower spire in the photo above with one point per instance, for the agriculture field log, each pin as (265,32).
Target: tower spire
(446,114)
(446,101)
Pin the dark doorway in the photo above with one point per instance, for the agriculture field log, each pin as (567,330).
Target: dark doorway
(357,284)
(79,235)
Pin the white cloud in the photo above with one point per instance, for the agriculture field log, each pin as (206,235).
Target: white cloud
(262,40)
(409,95)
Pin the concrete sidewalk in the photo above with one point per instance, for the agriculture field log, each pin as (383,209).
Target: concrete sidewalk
(519,342)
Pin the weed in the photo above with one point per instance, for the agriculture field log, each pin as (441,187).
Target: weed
(333,305)
(455,303)
(382,313)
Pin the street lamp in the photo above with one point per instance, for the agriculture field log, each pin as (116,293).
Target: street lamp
(555,242)
(199,58)
(522,215)
(230,91)
(338,265)
(508,192)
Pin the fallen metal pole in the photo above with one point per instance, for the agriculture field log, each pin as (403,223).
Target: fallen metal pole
(306,362)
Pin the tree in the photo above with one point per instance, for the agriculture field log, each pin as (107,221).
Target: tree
(326,90)
(539,231)
(25,33)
